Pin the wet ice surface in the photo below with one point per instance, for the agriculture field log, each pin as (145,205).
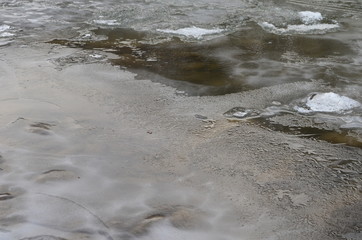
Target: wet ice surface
(62,178)
(58,201)
(321,115)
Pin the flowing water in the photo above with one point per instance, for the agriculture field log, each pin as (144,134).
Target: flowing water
(198,47)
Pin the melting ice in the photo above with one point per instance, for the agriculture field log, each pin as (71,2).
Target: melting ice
(311,25)
(106,22)
(4,34)
(309,17)
(327,102)
(194,32)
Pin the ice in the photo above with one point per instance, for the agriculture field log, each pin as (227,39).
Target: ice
(106,22)
(311,25)
(309,17)
(96,55)
(4,27)
(6,34)
(352,122)
(4,43)
(3,31)
(323,27)
(327,102)
(194,32)
(320,28)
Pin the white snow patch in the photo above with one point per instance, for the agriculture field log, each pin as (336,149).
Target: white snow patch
(309,17)
(327,102)
(194,32)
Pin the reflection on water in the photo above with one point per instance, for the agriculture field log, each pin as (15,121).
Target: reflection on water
(247,59)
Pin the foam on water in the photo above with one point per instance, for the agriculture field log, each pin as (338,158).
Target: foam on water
(194,32)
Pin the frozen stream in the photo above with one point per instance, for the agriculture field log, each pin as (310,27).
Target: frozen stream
(61,177)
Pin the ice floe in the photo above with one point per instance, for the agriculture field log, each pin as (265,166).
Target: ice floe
(320,28)
(194,32)
(4,27)
(327,102)
(5,35)
(4,31)
(108,22)
(311,24)
(308,17)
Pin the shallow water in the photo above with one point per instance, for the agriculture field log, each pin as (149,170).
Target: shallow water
(247,59)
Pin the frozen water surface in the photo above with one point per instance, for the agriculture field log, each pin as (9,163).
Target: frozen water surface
(199,47)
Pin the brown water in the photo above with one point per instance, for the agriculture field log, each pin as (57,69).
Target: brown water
(244,60)
(247,59)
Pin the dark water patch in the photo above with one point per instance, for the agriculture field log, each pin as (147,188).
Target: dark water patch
(247,59)
(332,136)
